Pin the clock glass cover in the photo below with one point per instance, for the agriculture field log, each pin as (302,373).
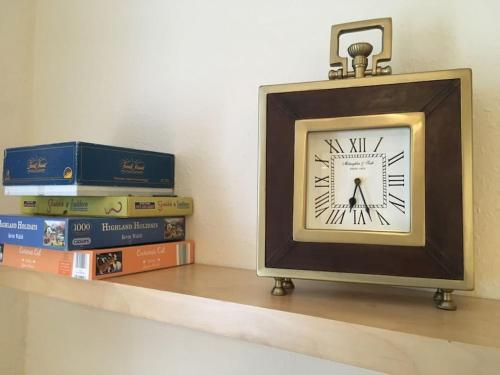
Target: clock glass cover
(359,180)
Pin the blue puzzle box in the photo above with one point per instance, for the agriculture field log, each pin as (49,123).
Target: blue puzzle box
(68,164)
(80,233)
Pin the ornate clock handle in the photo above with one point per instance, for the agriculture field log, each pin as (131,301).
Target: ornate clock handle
(360,51)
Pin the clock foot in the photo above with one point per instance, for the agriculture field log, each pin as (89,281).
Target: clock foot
(438,296)
(288,283)
(278,289)
(446,302)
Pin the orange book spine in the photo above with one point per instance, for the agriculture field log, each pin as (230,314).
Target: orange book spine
(102,263)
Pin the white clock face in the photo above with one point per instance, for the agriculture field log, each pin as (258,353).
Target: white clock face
(359,180)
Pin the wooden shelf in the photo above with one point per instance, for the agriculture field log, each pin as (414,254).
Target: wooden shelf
(388,329)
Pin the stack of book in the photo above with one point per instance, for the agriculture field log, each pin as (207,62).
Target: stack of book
(92,211)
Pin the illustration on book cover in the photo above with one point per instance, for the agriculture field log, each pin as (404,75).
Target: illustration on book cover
(53,233)
(107,263)
(174,228)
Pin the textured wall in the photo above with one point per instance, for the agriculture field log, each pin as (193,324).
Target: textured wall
(16,68)
(183,77)
(17,24)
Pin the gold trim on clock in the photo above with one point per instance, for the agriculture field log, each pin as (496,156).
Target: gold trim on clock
(415,121)
(467,282)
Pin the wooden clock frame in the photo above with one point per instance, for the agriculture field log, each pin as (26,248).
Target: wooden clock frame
(445,260)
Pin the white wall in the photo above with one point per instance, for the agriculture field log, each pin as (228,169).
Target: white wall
(182,76)
(17,25)
(16,83)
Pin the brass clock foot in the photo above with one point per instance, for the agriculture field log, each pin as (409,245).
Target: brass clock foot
(278,289)
(438,296)
(446,303)
(288,283)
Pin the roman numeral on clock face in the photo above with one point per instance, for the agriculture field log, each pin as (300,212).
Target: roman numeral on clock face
(396,158)
(396,180)
(378,144)
(382,219)
(321,181)
(359,218)
(397,202)
(336,217)
(356,180)
(334,147)
(321,203)
(358,144)
(325,162)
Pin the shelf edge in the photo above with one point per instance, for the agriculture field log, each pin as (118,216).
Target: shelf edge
(353,344)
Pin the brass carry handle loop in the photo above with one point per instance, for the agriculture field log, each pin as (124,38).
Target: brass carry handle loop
(360,51)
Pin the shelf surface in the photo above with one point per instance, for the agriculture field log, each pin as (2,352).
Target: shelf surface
(394,330)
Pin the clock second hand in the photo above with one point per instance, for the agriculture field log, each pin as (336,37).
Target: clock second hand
(357,181)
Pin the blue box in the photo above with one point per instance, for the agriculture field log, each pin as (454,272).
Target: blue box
(74,168)
(78,233)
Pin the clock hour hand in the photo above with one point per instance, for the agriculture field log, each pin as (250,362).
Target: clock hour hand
(357,181)
(352,200)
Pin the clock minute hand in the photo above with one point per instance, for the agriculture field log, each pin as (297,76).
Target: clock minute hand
(357,181)
(352,200)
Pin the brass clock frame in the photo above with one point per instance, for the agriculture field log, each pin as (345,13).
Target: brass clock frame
(465,77)
(445,261)
(416,123)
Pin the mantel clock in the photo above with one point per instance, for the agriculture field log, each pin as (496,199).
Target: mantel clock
(366,177)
